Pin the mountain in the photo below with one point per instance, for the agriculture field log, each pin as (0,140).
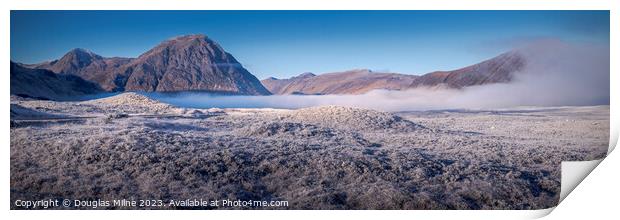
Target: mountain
(278,86)
(500,69)
(185,63)
(194,63)
(45,84)
(197,63)
(348,82)
(89,66)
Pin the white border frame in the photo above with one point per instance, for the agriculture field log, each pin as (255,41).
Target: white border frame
(300,5)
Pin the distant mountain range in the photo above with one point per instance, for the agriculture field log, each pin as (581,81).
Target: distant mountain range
(349,82)
(185,63)
(499,69)
(196,63)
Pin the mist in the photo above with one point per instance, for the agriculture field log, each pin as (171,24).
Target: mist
(556,74)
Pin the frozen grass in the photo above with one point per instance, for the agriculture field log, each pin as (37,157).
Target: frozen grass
(316,158)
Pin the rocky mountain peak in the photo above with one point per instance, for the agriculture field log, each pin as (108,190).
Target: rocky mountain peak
(74,60)
(189,37)
(306,75)
(81,56)
(183,63)
(188,46)
(190,63)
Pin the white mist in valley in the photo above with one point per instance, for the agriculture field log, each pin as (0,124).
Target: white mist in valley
(556,74)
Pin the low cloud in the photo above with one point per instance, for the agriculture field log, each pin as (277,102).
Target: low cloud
(557,74)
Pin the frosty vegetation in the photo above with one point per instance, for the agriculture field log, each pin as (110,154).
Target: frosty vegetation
(327,157)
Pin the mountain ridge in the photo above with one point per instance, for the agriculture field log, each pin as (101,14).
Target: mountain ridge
(197,63)
(183,63)
(357,81)
(499,69)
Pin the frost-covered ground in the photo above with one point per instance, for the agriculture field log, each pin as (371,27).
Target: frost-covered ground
(129,146)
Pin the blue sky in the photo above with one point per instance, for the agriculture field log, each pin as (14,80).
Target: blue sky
(287,43)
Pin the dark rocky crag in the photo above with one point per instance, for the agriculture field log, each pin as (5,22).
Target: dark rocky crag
(185,63)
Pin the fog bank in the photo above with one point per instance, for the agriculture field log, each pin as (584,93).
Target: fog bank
(556,74)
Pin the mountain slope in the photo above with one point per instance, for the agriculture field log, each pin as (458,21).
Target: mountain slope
(348,82)
(193,63)
(89,66)
(44,84)
(499,69)
(185,63)
(279,86)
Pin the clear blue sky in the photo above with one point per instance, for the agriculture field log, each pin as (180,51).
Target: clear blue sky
(287,43)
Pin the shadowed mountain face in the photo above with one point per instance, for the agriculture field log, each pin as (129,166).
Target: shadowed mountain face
(186,63)
(496,70)
(45,84)
(349,82)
